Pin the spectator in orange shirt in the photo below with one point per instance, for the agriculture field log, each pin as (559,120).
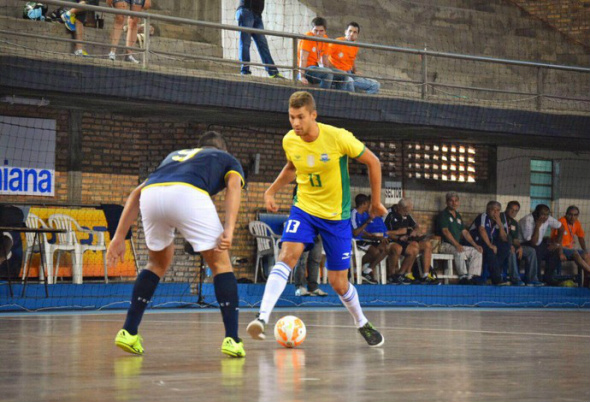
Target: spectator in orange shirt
(313,57)
(572,227)
(343,58)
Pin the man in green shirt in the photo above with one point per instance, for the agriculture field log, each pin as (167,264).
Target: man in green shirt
(452,230)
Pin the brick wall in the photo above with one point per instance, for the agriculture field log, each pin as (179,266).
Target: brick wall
(571,17)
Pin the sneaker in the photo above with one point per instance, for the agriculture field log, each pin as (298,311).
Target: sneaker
(518,283)
(301,291)
(81,53)
(504,283)
(406,279)
(278,75)
(318,292)
(232,348)
(70,20)
(129,343)
(131,59)
(112,56)
(464,280)
(430,280)
(256,329)
(392,280)
(535,284)
(369,279)
(371,335)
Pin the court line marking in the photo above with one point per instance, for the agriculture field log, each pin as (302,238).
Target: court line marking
(452,330)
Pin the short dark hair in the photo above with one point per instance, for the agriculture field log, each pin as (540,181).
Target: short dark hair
(354,24)
(300,99)
(319,22)
(361,199)
(213,139)
(512,203)
(570,208)
(542,208)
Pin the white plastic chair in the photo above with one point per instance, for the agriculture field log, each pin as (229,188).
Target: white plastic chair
(69,242)
(34,222)
(267,244)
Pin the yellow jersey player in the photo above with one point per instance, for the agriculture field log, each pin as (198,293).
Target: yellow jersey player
(317,157)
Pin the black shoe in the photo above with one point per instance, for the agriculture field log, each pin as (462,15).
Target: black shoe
(463,280)
(371,335)
(430,280)
(369,279)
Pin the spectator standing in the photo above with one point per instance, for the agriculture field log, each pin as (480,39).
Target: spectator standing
(133,5)
(452,230)
(249,15)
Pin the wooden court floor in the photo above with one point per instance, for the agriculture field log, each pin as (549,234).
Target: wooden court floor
(429,355)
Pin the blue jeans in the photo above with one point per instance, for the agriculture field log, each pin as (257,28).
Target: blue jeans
(529,256)
(321,75)
(366,84)
(343,82)
(246,18)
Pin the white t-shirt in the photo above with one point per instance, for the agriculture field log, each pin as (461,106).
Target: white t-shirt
(527,224)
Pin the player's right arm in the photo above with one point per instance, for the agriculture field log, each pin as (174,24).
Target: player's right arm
(287,175)
(116,250)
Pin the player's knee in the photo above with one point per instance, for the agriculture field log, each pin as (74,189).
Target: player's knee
(426,245)
(412,249)
(133,22)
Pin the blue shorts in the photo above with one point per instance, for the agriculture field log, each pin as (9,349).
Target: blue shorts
(302,227)
(569,253)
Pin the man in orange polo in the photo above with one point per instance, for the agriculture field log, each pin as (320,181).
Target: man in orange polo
(572,227)
(343,58)
(313,57)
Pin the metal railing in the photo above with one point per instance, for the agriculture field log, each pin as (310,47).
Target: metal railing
(424,54)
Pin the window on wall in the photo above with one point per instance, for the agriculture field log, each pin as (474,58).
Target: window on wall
(541,182)
(445,162)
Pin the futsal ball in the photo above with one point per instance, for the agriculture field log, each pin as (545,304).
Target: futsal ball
(290,331)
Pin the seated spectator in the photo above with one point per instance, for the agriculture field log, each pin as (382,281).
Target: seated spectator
(370,233)
(489,231)
(406,232)
(453,233)
(519,252)
(572,227)
(533,227)
(74,20)
(343,59)
(313,57)
(312,260)
(133,5)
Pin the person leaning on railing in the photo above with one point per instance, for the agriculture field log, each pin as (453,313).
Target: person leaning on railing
(343,59)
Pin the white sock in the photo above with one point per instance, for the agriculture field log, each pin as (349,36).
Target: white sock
(352,304)
(275,285)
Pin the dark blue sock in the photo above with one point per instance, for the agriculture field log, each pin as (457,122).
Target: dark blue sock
(226,292)
(145,286)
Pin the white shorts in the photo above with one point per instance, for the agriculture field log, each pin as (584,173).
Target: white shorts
(165,208)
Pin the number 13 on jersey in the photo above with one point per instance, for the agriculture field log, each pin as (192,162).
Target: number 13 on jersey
(315,180)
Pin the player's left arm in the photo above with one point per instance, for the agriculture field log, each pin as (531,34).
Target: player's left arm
(370,160)
(116,250)
(233,195)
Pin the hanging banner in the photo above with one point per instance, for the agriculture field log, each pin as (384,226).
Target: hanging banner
(27,156)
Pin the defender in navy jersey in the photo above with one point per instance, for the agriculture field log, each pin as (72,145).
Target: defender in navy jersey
(177,196)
